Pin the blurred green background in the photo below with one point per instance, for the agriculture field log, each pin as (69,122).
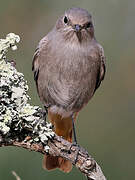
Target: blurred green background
(106,127)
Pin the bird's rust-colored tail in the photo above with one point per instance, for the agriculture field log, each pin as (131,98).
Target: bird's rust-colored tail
(62,127)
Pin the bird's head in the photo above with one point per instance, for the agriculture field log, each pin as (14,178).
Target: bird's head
(76,24)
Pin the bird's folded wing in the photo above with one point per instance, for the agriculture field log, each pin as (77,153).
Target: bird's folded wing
(102,69)
(35,63)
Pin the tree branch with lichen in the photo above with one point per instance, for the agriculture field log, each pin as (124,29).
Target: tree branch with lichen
(23,125)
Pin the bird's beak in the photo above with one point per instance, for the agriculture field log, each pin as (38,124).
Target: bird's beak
(77,28)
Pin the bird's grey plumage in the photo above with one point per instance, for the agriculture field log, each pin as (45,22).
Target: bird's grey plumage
(68,65)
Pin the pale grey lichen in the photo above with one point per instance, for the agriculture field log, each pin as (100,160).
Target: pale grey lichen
(4,129)
(16,114)
(9,42)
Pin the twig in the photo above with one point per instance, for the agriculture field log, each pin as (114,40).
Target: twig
(16,176)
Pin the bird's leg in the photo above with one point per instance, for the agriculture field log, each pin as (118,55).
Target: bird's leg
(44,115)
(74,140)
(74,132)
(45,112)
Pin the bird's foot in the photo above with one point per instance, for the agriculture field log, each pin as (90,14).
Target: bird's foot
(77,147)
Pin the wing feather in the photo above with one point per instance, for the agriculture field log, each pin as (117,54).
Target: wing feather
(35,63)
(102,69)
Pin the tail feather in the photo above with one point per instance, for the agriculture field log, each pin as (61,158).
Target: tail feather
(62,127)
(53,162)
(50,162)
(64,165)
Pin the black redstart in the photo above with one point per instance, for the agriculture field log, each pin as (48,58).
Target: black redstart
(68,66)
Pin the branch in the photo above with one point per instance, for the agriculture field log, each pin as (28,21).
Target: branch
(23,125)
(60,147)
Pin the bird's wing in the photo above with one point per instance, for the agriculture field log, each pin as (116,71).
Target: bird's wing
(35,63)
(102,69)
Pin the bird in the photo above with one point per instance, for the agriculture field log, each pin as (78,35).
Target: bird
(69,66)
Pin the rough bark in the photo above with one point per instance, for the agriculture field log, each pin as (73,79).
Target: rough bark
(59,147)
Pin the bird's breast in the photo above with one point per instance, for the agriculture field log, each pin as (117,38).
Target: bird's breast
(73,62)
(69,77)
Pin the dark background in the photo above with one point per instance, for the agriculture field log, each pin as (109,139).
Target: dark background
(106,127)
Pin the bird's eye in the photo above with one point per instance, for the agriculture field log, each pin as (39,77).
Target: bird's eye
(89,25)
(65,20)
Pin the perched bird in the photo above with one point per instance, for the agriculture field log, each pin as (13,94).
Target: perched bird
(68,66)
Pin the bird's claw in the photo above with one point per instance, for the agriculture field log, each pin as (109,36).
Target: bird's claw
(77,152)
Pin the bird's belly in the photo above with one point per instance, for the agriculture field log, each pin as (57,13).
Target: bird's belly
(68,85)
(71,91)
(61,111)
